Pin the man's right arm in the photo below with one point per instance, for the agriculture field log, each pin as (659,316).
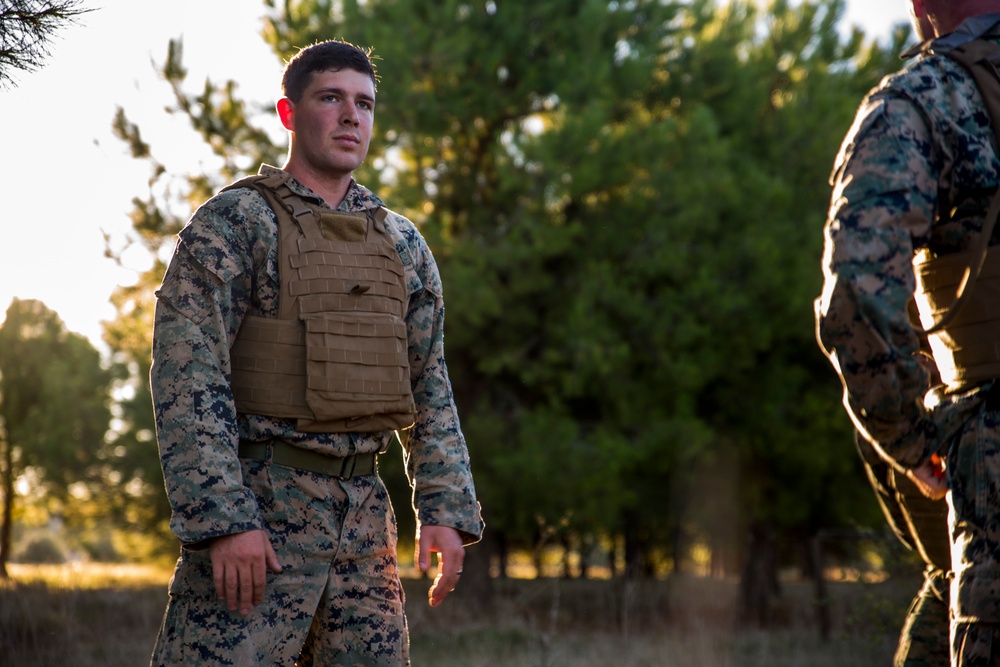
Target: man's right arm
(884,197)
(203,298)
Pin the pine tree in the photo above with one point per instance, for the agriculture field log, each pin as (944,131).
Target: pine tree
(26,31)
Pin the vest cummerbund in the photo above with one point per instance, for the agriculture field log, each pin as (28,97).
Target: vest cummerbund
(336,357)
(967,349)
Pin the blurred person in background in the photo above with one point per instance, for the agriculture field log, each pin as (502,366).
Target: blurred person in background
(913,216)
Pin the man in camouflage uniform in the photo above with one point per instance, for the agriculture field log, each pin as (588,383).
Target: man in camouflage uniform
(914,179)
(288,539)
(921,524)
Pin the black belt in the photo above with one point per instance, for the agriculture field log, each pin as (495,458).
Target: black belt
(281,453)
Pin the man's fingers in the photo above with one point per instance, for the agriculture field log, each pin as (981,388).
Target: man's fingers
(272,558)
(239,568)
(447,544)
(449,573)
(422,554)
(248,586)
(928,482)
(232,579)
(219,579)
(260,574)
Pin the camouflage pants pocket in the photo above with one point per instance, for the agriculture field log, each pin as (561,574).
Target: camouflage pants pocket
(337,602)
(199,631)
(361,622)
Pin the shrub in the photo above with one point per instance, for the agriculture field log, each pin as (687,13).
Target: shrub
(39,550)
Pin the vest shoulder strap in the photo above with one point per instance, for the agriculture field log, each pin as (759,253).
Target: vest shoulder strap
(981,57)
(397,236)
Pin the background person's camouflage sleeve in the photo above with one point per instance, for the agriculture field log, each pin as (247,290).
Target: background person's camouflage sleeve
(225,267)
(897,170)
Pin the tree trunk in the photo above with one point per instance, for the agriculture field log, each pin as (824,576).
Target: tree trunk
(502,550)
(613,558)
(633,548)
(536,557)
(586,547)
(759,585)
(677,547)
(8,507)
(815,550)
(567,551)
(477,584)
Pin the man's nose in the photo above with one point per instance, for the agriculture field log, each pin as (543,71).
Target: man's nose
(349,116)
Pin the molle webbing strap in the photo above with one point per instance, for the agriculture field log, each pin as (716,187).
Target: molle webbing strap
(269,368)
(967,350)
(336,357)
(368,269)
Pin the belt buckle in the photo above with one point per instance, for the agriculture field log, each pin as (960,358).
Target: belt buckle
(347,466)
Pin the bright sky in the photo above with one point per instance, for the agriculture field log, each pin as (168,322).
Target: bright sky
(66,180)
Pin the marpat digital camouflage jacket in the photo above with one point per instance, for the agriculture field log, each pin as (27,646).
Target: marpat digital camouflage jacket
(224,267)
(916,170)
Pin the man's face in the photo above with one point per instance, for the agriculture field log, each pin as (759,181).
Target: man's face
(333,121)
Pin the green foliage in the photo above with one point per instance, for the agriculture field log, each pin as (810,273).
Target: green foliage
(626,202)
(54,408)
(216,114)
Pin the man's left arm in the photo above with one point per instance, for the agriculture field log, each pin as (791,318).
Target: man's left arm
(437,458)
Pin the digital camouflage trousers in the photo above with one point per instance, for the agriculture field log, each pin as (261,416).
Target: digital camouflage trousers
(923,641)
(337,603)
(974,523)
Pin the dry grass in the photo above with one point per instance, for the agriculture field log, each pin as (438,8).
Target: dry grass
(90,575)
(107,616)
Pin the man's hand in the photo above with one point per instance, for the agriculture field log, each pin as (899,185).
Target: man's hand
(929,479)
(447,543)
(239,568)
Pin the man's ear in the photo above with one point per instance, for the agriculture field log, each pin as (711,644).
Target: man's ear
(286,113)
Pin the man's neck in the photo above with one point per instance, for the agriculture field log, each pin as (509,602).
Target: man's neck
(332,190)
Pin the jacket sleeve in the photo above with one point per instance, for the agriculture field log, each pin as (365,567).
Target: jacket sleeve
(884,198)
(437,458)
(204,295)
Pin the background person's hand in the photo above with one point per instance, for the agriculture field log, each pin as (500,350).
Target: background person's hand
(929,479)
(239,568)
(447,544)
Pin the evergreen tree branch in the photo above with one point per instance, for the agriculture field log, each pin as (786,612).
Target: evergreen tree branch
(26,31)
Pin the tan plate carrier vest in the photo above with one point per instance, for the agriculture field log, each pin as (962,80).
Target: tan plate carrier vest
(958,295)
(336,357)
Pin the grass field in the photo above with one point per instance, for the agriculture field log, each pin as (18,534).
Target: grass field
(107,616)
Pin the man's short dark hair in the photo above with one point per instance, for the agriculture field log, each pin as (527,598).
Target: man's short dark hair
(332,55)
